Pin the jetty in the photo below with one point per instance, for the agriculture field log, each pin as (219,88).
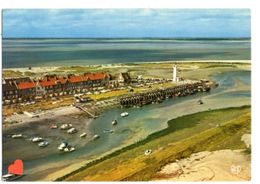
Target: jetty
(157,96)
(85,110)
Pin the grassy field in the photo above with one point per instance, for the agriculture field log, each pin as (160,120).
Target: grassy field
(209,130)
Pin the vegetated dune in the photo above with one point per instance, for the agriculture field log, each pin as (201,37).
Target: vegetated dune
(224,134)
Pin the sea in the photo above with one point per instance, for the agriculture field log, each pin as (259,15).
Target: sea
(73,52)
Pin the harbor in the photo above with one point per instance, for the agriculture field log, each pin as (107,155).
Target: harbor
(136,126)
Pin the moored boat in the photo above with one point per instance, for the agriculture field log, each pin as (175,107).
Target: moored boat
(53,126)
(200,101)
(16,136)
(83,135)
(108,131)
(114,122)
(62,146)
(37,139)
(124,114)
(69,149)
(72,131)
(95,136)
(43,144)
(65,126)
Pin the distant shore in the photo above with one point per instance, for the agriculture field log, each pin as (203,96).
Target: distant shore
(53,68)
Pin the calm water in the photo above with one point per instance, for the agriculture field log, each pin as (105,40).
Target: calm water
(57,52)
(140,123)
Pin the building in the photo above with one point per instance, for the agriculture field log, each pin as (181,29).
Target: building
(24,89)
(174,74)
(97,80)
(10,91)
(124,78)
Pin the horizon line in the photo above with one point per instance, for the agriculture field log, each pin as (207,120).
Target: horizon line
(126,37)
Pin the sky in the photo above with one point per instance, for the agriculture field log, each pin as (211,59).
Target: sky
(126,23)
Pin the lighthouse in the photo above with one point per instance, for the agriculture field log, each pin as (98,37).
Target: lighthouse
(174,74)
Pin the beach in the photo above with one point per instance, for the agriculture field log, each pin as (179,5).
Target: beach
(209,166)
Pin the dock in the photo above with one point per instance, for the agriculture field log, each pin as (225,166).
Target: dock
(85,110)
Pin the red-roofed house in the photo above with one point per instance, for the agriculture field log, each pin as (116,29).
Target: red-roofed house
(26,90)
(96,80)
(76,83)
(51,86)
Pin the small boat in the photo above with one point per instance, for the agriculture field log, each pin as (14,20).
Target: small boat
(114,122)
(11,177)
(69,149)
(53,126)
(16,136)
(62,146)
(43,144)
(83,135)
(108,131)
(148,152)
(95,136)
(72,131)
(200,101)
(124,114)
(65,126)
(37,139)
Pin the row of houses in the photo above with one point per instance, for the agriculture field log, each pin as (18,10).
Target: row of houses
(24,89)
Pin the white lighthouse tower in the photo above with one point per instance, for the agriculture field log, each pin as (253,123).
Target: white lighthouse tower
(174,74)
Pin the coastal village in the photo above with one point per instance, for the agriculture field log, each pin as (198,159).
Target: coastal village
(17,90)
(24,91)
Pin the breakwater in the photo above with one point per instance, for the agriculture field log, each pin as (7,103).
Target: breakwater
(157,96)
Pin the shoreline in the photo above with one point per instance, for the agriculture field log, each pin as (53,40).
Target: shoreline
(53,113)
(114,65)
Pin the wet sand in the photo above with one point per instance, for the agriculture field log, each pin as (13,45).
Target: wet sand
(53,113)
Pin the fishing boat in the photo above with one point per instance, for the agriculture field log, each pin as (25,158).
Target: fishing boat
(108,131)
(43,144)
(124,114)
(83,135)
(72,131)
(37,139)
(114,122)
(16,136)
